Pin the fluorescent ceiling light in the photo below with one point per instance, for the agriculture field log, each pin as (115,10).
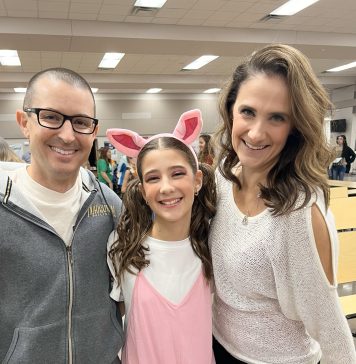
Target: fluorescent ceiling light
(9,58)
(200,62)
(111,60)
(153,90)
(292,7)
(212,90)
(341,68)
(94,90)
(20,89)
(150,3)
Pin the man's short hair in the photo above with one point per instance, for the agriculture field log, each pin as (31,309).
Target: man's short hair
(61,74)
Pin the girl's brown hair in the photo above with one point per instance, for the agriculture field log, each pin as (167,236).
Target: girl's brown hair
(303,162)
(136,220)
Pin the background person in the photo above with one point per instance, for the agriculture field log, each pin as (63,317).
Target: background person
(104,167)
(273,239)
(344,157)
(55,222)
(206,150)
(130,173)
(26,157)
(162,263)
(6,153)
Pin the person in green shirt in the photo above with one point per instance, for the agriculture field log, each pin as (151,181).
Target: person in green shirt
(104,167)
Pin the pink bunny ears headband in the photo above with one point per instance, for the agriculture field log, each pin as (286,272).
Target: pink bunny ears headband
(130,143)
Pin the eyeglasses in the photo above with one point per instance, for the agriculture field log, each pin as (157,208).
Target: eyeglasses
(54,120)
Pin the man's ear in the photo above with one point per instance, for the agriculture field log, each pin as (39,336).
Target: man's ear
(22,121)
(96,131)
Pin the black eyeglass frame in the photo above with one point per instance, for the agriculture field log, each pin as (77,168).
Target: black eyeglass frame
(37,110)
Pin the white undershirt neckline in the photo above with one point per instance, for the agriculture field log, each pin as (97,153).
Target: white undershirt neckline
(59,210)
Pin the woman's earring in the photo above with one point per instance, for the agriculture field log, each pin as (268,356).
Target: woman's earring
(147,202)
(196,193)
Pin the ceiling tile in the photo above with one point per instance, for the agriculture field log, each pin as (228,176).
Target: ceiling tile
(85,8)
(53,6)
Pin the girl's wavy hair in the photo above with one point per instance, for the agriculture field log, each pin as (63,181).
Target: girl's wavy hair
(136,218)
(303,162)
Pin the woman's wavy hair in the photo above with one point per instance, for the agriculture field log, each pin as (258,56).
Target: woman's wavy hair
(303,162)
(136,219)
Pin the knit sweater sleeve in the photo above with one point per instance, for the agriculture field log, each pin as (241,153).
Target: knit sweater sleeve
(303,290)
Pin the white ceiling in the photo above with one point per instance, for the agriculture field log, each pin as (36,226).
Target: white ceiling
(76,33)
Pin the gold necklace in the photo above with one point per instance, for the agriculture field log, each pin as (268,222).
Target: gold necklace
(247,215)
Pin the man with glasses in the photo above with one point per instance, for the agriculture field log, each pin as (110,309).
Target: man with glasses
(55,221)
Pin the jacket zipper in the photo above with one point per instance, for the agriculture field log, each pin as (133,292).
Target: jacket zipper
(70,305)
(70,275)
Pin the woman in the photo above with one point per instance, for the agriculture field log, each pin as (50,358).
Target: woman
(273,239)
(345,156)
(104,167)
(206,151)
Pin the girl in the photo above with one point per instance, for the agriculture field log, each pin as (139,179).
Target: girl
(273,240)
(159,255)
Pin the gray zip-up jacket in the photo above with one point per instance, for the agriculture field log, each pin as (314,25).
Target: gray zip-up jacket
(54,300)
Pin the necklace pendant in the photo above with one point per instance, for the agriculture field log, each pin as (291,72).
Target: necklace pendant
(245,220)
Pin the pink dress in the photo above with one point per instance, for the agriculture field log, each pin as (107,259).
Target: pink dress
(161,332)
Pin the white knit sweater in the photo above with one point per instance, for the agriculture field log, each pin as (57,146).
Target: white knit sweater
(273,302)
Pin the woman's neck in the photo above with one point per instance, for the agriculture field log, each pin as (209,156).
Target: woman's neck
(250,180)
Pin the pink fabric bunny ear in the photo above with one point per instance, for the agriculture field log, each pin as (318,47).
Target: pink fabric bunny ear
(126,141)
(130,143)
(189,126)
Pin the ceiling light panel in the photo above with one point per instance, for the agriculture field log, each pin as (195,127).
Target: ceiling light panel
(9,58)
(200,62)
(212,90)
(153,90)
(292,7)
(342,68)
(111,60)
(150,3)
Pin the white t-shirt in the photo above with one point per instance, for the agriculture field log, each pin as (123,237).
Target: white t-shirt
(59,210)
(173,270)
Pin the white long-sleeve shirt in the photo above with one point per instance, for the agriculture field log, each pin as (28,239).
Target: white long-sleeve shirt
(273,301)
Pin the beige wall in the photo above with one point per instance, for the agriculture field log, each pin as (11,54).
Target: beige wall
(146,114)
